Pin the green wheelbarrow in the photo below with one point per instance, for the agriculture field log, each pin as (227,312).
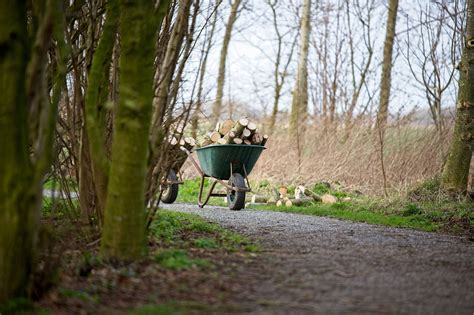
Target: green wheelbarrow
(227,162)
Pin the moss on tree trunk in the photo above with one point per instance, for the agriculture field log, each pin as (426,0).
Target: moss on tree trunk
(18,198)
(124,227)
(456,170)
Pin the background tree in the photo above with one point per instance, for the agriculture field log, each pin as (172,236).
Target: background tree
(217,106)
(299,105)
(456,170)
(382,115)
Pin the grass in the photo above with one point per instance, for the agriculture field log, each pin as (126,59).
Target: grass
(161,309)
(178,259)
(424,208)
(180,234)
(189,192)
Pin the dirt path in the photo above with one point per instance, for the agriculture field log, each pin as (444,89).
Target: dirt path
(313,264)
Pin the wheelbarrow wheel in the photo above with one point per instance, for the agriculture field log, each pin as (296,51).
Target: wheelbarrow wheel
(170,192)
(236,199)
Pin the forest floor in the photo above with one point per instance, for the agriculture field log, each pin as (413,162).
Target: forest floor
(312,264)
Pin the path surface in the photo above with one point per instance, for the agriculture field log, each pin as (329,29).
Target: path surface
(321,265)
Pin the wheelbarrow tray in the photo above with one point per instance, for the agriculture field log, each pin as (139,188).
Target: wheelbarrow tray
(216,159)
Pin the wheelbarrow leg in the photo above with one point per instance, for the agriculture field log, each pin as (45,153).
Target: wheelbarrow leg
(201,188)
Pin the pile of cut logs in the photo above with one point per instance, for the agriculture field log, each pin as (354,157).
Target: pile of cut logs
(235,132)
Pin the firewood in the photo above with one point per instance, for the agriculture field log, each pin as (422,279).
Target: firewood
(222,141)
(256,139)
(302,202)
(246,133)
(214,136)
(252,127)
(239,126)
(279,203)
(206,142)
(264,140)
(229,137)
(226,126)
(288,203)
(259,199)
(237,141)
(247,141)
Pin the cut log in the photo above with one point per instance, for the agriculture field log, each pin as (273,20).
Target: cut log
(239,126)
(237,141)
(256,139)
(229,137)
(226,126)
(259,199)
(214,136)
(279,203)
(288,203)
(302,202)
(207,142)
(283,190)
(252,127)
(329,199)
(222,141)
(264,140)
(246,133)
(247,141)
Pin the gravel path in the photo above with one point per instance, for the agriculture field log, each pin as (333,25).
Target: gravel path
(321,265)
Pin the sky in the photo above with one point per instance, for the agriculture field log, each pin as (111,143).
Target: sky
(252,50)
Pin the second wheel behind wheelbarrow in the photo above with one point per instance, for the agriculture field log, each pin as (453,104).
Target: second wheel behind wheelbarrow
(236,199)
(170,191)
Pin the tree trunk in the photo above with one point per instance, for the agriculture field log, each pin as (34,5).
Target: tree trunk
(19,194)
(123,235)
(216,108)
(382,115)
(95,109)
(456,170)
(299,105)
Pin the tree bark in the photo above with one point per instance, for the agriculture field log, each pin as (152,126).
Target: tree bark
(382,115)
(123,235)
(456,170)
(217,106)
(95,101)
(299,105)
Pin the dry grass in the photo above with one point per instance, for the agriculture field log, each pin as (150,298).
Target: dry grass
(412,153)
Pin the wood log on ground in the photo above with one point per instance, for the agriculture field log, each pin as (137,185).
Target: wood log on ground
(259,198)
(226,126)
(279,203)
(288,203)
(302,202)
(329,199)
(308,193)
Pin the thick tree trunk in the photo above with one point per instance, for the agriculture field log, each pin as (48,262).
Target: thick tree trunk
(299,105)
(456,169)
(123,235)
(382,115)
(217,106)
(19,196)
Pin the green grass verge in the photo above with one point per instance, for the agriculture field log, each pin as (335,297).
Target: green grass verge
(179,234)
(424,208)
(189,192)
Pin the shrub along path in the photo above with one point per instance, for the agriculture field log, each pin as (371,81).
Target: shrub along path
(312,264)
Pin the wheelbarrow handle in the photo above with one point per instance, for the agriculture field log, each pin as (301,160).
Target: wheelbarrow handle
(196,165)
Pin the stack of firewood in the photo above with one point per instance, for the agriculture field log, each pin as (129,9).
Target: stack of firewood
(235,132)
